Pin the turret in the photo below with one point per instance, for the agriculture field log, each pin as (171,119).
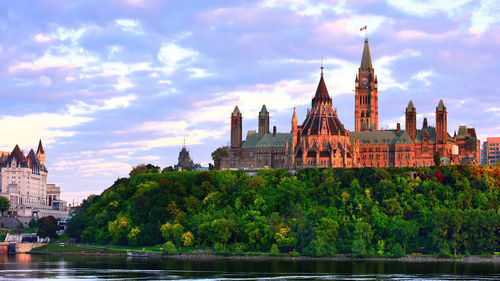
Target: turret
(441,123)
(263,121)
(40,153)
(236,128)
(411,121)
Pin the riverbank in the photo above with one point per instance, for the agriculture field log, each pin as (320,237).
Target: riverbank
(87,250)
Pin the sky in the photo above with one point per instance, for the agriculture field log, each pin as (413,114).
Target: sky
(108,85)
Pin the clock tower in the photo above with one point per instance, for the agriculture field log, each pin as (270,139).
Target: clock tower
(366,98)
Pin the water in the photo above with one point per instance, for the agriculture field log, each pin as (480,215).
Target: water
(34,267)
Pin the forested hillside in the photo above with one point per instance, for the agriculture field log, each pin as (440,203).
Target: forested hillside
(319,212)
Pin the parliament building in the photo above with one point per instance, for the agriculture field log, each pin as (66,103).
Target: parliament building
(323,141)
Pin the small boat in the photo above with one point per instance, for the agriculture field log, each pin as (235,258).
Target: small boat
(131,254)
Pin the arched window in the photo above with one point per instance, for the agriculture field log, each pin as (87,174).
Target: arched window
(362,114)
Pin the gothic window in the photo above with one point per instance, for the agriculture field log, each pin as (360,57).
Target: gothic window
(362,114)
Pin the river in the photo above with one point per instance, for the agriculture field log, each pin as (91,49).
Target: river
(36,267)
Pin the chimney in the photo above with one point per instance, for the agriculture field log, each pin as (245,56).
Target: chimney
(398,129)
(274,131)
(425,123)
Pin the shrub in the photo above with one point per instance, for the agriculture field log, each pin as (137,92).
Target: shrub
(168,248)
(397,251)
(275,250)
(358,248)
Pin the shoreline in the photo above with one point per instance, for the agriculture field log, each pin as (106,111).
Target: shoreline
(186,256)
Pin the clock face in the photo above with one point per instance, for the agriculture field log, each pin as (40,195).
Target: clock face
(365,82)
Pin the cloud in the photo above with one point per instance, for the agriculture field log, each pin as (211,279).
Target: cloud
(129,25)
(429,7)
(198,72)
(26,130)
(83,108)
(485,16)
(173,56)
(384,72)
(423,76)
(42,38)
(306,7)
(90,167)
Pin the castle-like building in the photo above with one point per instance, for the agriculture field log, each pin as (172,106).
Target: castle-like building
(23,180)
(322,140)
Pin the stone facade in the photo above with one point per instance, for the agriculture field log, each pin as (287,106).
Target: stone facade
(184,160)
(23,180)
(322,140)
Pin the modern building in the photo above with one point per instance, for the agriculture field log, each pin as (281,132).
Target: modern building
(491,152)
(322,141)
(23,180)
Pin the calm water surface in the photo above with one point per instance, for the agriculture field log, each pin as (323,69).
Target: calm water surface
(32,267)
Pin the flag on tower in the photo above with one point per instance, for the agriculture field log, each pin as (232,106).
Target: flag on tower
(361,29)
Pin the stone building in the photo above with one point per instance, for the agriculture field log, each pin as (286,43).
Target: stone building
(184,160)
(23,180)
(322,141)
(260,149)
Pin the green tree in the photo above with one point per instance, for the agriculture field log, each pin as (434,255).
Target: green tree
(172,232)
(218,154)
(119,229)
(397,251)
(4,204)
(143,169)
(187,239)
(133,235)
(437,159)
(222,230)
(168,248)
(47,227)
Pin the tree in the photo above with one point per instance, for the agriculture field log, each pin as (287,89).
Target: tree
(47,227)
(437,159)
(218,154)
(119,229)
(133,236)
(143,169)
(4,204)
(168,169)
(172,232)
(187,239)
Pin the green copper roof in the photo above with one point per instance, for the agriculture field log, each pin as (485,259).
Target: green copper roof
(381,137)
(366,59)
(430,130)
(251,140)
(263,111)
(236,110)
(410,106)
(278,140)
(441,105)
(268,140)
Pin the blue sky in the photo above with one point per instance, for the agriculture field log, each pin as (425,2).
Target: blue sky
(110,84)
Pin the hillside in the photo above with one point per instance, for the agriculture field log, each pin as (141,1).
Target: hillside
(319,212)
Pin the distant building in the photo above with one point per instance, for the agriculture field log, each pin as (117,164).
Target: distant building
(184,160)
(322,140)
(54,198)
(491,152)
(23,180)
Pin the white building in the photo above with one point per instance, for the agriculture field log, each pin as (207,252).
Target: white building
(23,180)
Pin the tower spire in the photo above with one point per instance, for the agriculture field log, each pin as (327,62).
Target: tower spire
(366,59)
(322,66)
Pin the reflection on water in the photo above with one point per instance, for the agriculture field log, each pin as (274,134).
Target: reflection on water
(27,267)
